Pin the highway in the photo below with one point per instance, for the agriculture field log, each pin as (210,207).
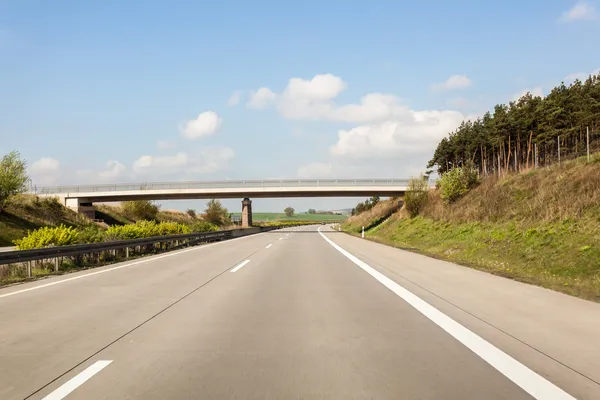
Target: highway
(302,313)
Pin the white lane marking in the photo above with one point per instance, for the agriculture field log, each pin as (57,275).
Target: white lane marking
(280,238)
(240,266)
(77,381)
(528,380)
(269,245)
(145,260)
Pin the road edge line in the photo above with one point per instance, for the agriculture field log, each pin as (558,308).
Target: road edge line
(528,380)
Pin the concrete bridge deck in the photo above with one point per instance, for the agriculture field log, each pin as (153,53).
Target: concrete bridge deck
(80,198)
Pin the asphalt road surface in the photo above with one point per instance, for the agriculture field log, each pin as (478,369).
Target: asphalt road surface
(294,314)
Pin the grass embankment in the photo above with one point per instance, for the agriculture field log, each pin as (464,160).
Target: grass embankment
(26,213)
(540,227)
(271,216)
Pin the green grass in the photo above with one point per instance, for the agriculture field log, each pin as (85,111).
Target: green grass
(26,212)
(270,216)
(563,256)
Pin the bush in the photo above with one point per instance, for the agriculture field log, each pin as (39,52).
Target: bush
(216,214)
(144,229)
(13,176)
(204,226)
(48,237)
(90,234)
(456,182)
(140,210)
(416,196)
(192,213)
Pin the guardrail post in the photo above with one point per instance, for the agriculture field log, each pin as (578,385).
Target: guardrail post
(126,252)
(29,269)
(56,264)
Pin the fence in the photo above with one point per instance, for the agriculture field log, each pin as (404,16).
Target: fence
(567,147)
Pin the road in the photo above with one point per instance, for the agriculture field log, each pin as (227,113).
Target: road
(8,248)
(294,314)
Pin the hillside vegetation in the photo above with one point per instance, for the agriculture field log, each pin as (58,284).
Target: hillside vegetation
(541,226)
(532,131)
(24,213)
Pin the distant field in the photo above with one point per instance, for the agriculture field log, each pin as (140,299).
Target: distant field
(265,216)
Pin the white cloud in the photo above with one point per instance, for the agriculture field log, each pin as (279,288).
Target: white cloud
(206,124)
(45,165)
(319,88)
(314,100)
(418,132)
(262,98)
(582,11)
(113,170)
(454,82)
(235,98)
(205,161)
(535,92)
(45,171)
(582,76)
(458,102)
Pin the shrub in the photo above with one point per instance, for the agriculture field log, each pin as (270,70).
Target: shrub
(216,214)
(204,226)
(48,237)
(143,229)
(192,213)
(140,209)
(416,196)
(13,176)
(90,234)
(456,182)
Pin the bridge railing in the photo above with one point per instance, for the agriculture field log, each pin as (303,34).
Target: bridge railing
(233,184)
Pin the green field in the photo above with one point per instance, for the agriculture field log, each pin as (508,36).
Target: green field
(271,216)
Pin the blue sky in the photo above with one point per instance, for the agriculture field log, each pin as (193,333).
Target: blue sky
(122,91)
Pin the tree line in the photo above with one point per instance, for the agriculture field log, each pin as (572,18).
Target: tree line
(532,131)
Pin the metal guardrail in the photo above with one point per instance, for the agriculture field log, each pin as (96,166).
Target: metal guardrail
(219,185)
(17,256)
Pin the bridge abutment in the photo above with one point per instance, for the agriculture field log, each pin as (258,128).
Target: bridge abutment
(81,206)
(246,213)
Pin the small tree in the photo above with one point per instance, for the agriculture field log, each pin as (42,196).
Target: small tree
(192,213)
(140,209)
(456,182)
(289,211)
(416,196)
(13,176)
(312,211)
(216,214)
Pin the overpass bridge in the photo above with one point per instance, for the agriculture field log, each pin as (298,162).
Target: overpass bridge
(81,198)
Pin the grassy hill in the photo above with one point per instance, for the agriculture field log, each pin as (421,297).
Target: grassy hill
(27,212)
(541,227)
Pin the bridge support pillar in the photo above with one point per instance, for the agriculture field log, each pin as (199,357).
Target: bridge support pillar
(246,213)
(81,206)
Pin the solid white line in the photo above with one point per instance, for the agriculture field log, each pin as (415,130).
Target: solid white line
(240,266)
(145,260)
(77,381)
(269,245)
(528,380)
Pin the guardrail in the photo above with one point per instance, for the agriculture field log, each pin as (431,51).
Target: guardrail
(218,185)
(172,241)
